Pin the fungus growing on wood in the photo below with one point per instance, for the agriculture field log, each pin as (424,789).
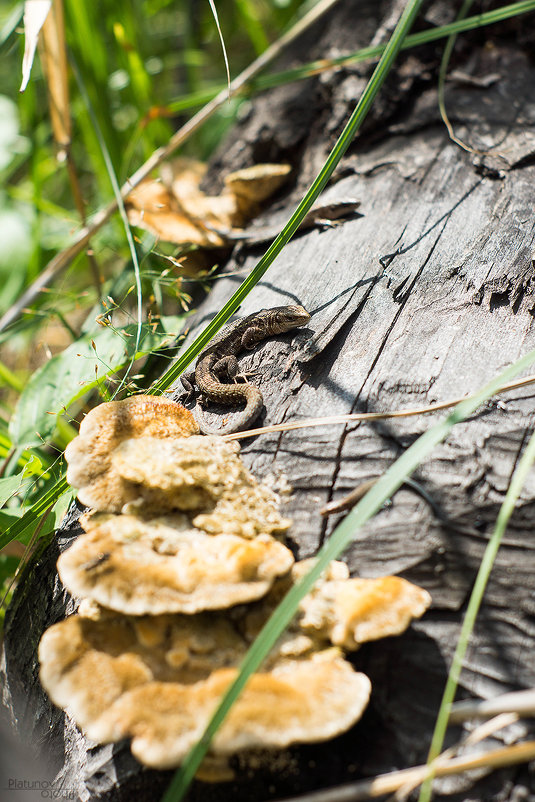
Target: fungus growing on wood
(251,186)
(178,473)
(199,474)
(158,681)
(158,678)
(350,611)
(175,209)
(297,702)
(339,610)
(142,659)
(162,565)
(103,429)
(88,663)
(155,472)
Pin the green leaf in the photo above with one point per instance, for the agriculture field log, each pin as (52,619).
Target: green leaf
(8,566)
(11,485)
(61,506)
(8,518)
(80,368)
(20,526)
(49,524)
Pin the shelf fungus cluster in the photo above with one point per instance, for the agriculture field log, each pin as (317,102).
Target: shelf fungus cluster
(175,209)
(181,564)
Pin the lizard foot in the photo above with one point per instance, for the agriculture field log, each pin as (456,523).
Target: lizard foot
(244,376)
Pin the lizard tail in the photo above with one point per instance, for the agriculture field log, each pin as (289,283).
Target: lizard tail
(242,420)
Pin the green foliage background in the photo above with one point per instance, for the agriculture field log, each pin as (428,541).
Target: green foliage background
(139,62)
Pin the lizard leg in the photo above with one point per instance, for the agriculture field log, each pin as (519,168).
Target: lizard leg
(251,337)
(187,381)
(226,367)
(245,375)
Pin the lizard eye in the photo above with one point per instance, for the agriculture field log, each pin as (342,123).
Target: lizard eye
(293,316)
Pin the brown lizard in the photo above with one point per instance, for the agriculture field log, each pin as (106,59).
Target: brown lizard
(218,361)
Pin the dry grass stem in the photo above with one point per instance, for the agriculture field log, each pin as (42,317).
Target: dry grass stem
(393,781)
(519,703)
(366,416)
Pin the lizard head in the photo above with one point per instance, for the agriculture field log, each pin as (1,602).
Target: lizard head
(286,318)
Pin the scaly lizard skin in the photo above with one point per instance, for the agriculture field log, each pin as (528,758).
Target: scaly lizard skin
(218,361)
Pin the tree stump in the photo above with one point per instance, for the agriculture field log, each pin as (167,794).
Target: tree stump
(422,297)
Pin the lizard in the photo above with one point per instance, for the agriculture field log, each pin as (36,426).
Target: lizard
(219,361)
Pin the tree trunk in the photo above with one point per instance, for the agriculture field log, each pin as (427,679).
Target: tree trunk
(421,298)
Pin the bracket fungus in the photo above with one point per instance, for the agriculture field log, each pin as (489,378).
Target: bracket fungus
(164,565)
(158,680)
(351,611)
(145,454)
(339,610)
(103,429)
(175,209)
(198,474)
(177,572)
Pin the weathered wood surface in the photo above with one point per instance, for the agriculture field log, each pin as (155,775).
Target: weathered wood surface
(451,308)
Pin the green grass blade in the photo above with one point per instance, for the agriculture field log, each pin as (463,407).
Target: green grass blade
(250,19)
(221,39)
(342,536)
(345,139)
(10,379)
(194,99)
(34,513)
(122,211)
(95,61)
(506,510)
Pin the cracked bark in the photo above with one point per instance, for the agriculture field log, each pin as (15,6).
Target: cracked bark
(451,306)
